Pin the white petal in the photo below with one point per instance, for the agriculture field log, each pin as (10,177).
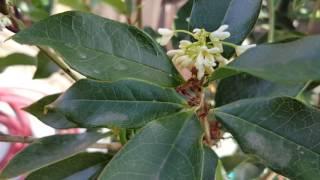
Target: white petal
(187,62)
(218,44)
(214,50)
(164,40)
(221,59)
(199,59)
(196,30)
(181,59)
(184,43)
(241,49)
(223,27)
(165,32)
(219,35)
(173,52)
(204,48)
(200,73)
(166,36)
(210,62)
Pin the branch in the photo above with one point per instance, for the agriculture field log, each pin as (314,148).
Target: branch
(16,139)
(272,19)
(59,62)
(114,146)
(204,119)
(139,13)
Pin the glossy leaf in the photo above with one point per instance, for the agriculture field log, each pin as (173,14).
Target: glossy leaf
(208,14)
(16,59)
(48,150)
(245,86)
(45,67)
(282,132)
(102,49)
(169,148)
(239,15)
(292,62)
(56,119)
(181,21)
(126,103)
(78,167)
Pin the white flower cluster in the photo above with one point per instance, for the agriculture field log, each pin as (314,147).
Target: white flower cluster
(4,21)
(205,53)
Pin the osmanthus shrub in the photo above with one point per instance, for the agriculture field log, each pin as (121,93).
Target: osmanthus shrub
(165,122)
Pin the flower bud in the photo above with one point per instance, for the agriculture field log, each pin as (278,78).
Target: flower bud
(241,49)
(166,34)
(174,52)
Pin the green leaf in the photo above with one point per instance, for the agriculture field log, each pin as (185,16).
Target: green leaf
(126,103)
(103,49)
(16,59)
(220,172)
(169,148)
(282,132)
(56,119)
(151,32)
(45,66)
(239,15)
(292,62)
(181,22)
(80,166)
(48,150)
(208,14)
(245,86)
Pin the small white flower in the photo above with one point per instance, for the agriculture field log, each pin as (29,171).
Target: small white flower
(197,33)
(214,50)
(200,66)
(174,52)
(222,28)
(184,61)
(184,43)
(241,49)
(196,30)
(166,35)
(209,63)
(221,59)
(205,61)
(220,33)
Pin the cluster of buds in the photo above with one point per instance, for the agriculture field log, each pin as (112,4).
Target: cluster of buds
(205,53)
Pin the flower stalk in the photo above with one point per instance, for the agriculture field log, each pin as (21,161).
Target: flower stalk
(201,56)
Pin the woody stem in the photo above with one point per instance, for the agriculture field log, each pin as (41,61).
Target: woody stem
(204,119)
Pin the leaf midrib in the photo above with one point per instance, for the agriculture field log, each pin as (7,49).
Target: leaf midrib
(122,101)
(62,158)
(173,146)
(105,54)
(269,131)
